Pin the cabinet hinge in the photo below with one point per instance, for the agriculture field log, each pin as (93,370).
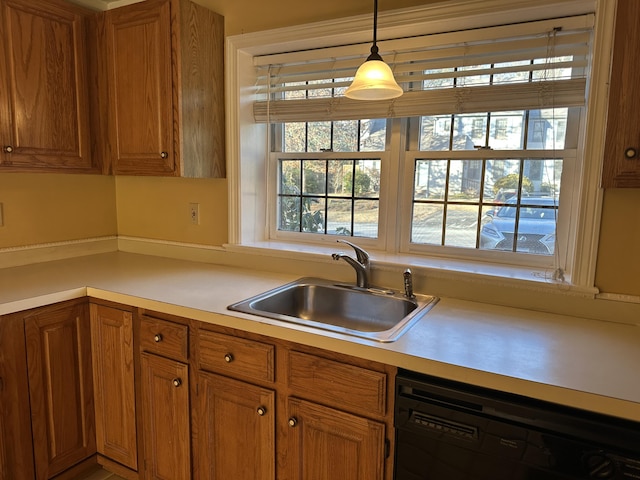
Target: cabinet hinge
(387,448)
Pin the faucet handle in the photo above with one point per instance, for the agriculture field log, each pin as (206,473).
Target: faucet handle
(361,255)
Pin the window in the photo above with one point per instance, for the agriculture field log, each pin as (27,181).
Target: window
(456,200)
(481,159)
(329,196)
(459,202)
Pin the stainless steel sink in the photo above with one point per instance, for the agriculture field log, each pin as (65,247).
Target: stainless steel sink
(381,315)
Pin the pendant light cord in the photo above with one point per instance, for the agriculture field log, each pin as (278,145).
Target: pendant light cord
(375,22)
(374,48)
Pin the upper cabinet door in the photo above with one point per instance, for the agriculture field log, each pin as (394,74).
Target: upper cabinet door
(139,68)
(43,87)
(622,147)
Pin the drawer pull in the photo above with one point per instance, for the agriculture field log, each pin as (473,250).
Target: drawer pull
(8,149)
(261,411)
(293,421)
(164,155)
(157,337)
(177,382)
(630,153)
(228,358)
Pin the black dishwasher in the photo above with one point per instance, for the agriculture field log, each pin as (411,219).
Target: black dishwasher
(451,431)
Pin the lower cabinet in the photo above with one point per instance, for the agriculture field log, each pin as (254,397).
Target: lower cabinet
(114,384)
(16,448)
(271,409)
(236,422)
(337,417)
(164,405)
(324,443)
(157,397)
(141,381)
(60,386)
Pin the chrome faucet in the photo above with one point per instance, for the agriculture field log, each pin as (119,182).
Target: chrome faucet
(360,264)
(408,284)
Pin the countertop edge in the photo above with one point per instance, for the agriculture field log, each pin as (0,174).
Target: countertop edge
(528,388)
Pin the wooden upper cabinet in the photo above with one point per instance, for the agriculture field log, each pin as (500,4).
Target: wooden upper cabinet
(60,386)
(139,60)
(163,89)
(44,116)
(622,146)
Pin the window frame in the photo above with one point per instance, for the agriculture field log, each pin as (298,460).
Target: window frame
(249,172)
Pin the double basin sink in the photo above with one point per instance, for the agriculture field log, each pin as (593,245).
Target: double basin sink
(371,313)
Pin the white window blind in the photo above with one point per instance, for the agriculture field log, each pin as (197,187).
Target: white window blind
(532,65)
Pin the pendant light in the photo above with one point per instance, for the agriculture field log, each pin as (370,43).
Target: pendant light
(374,79)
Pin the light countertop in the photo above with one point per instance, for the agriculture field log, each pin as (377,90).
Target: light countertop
(578,362)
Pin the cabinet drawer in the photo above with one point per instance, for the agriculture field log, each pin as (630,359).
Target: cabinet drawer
(164,338)
(338,384)
(235,356)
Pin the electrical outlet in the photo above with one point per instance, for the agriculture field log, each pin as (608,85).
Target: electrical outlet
(194,213)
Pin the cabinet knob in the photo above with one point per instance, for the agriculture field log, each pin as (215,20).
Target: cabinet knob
(228,358)
(631,153)
(261,411)
(8,149)
(177,382)
(164,155)
(157,337)
(293,421)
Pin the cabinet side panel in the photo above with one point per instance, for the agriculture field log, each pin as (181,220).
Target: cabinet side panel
(98,88)
(200,92)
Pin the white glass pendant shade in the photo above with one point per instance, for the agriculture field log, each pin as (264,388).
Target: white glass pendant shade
(374,81)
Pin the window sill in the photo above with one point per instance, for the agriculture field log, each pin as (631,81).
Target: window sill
(427,270)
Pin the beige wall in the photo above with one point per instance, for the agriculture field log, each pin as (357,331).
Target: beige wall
(618,267)
(158,208)
(44,208)
(47,208)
